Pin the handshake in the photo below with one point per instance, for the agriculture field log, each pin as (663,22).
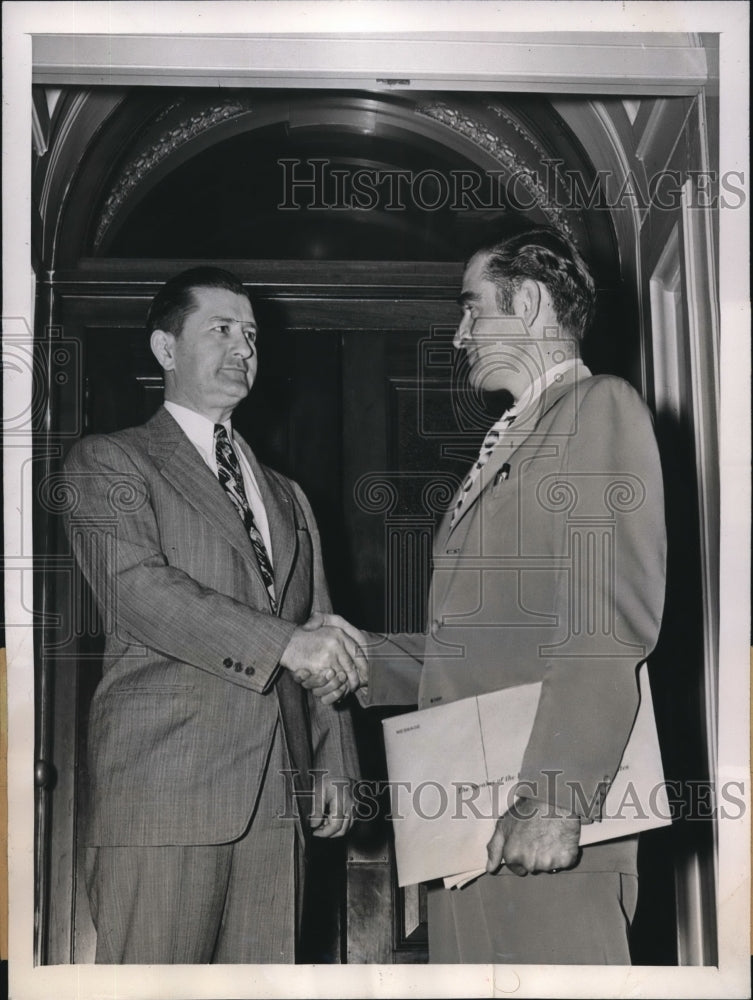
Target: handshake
(327,656)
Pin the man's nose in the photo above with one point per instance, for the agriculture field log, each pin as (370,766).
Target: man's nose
(462,333)
(242,345)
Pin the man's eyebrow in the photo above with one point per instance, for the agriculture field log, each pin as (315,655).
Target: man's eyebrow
(466,297)
(232,319)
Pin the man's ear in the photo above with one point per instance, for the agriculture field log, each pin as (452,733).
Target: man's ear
(162,344)
(527,301)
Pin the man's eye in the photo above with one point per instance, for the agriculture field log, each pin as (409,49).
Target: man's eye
(221,328)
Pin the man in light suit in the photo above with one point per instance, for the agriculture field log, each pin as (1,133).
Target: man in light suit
(209,765)
(548,567)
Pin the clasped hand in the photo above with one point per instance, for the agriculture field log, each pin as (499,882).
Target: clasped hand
(326,656)
(333,812)
(533,837)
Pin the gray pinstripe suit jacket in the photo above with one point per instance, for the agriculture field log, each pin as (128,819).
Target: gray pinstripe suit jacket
(183,719)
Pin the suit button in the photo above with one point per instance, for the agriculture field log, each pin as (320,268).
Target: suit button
(227,662)
(238,667)
(250,671)
(435,626)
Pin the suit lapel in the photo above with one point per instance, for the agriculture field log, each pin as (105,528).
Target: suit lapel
(515,438)
(279,507)
(183,467)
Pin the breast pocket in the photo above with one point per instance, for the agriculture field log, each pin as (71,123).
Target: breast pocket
(501,518)
(503,482)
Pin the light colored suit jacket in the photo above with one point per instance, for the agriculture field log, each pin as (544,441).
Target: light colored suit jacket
(554,571)
(183,720)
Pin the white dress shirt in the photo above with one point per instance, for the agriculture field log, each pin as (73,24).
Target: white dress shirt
(200,432)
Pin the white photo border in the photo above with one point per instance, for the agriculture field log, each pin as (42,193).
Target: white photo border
(730,20)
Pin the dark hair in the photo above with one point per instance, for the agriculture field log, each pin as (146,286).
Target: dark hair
(547,256)
(175,300)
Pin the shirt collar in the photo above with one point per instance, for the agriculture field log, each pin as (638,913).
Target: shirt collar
(542,382)
(198,429)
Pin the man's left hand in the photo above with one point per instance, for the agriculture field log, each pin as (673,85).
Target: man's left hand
(332,815)
(534,837)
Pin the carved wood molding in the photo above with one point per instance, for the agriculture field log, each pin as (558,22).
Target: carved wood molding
(522,168)
(184,131)
(484,137)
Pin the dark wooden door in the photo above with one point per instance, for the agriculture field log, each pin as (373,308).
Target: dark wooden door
(354,417)
(361,399)
(360,418)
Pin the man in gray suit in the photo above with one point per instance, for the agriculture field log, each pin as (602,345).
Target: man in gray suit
(209,765)
(548,567)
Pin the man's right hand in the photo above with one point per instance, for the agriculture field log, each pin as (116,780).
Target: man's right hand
(322,655)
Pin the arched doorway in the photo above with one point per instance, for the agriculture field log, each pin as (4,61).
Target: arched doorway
(349,216)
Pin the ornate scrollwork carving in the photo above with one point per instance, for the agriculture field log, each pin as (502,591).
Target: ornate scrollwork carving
(481,135)
(134,172)
(515,125)
(169,109)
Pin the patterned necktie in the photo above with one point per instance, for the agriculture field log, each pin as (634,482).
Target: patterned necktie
(229,473)
(487,448)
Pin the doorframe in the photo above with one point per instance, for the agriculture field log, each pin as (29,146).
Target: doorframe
(603,128)
(641,63)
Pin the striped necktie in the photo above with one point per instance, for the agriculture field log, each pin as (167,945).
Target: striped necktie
(229,473)
(487,448)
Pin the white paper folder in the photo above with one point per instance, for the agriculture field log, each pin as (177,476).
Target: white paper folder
(453,770)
